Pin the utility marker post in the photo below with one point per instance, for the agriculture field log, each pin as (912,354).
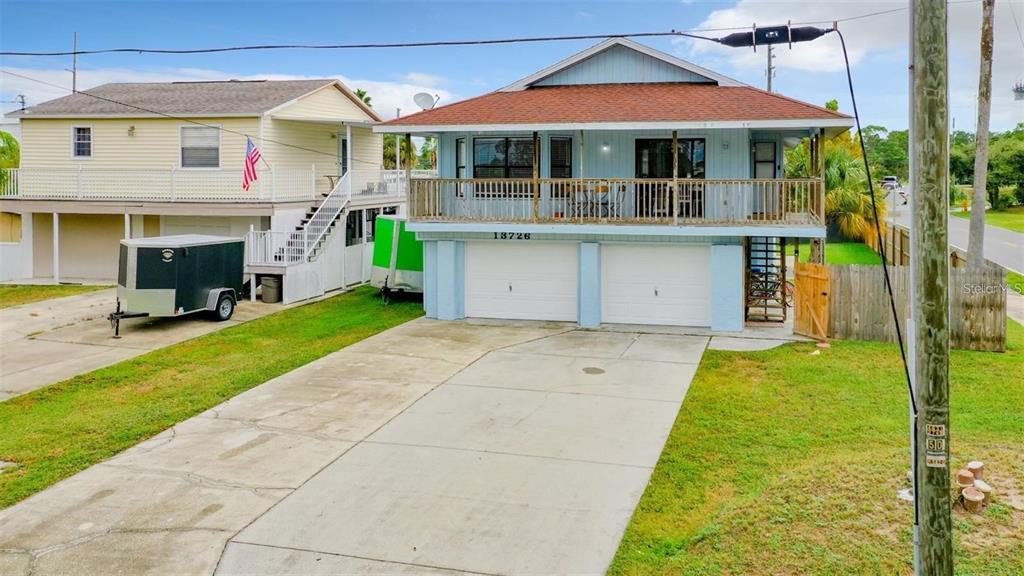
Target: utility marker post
(930,284)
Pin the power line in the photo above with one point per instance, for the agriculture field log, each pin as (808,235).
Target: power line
(693,33)
(1016,24)
(431,43)
(180,118)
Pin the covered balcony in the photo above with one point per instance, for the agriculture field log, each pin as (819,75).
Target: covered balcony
(654,201)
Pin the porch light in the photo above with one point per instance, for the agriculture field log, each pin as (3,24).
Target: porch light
(605,147)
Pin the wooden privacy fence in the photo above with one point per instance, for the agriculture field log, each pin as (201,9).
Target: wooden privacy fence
(859,306)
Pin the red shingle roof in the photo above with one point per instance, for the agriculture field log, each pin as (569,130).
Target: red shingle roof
(589,103)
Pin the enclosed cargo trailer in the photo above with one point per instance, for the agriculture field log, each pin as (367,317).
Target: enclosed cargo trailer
(178,275)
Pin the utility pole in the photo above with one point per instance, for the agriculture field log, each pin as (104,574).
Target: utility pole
(930,284)
(74,63)
(976,236)
(771,68)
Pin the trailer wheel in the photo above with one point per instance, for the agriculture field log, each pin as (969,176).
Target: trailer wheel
(225,308)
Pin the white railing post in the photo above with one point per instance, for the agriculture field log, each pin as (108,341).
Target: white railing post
(312,180)
(78,183)
(174,184)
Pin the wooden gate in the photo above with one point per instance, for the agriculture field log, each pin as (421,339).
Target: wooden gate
(810,302)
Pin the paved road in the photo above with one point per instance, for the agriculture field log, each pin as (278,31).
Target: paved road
(1002,246)
(49,341)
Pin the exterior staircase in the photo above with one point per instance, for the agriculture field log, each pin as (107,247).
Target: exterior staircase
(767,291)
(306,242)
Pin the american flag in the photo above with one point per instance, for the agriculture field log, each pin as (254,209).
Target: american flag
(252,158)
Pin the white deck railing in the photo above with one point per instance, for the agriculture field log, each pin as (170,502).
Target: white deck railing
(619,201)
(154,185)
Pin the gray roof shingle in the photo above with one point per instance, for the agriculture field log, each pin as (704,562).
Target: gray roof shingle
(230,97)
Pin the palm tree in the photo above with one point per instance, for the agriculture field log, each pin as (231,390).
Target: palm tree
(847,198)
(408,152)
(10,157)
(362,95)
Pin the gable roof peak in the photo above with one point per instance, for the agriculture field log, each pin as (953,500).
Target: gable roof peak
(627,43)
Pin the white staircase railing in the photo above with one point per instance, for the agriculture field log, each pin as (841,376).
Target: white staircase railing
(277,248)
(323,218)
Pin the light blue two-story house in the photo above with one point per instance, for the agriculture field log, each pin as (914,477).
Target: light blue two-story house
(620,185)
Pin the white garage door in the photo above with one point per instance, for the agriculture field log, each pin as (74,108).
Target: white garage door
(521,279)
(645,284)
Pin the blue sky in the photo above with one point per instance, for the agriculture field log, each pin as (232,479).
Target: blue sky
(810,72)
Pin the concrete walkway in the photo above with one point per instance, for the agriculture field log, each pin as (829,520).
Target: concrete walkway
(45,342)
(515,447)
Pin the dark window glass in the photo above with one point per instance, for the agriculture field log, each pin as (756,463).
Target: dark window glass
(654,158)
(200,147)
(561,157)
(82,144)
(503,158)
(354,228)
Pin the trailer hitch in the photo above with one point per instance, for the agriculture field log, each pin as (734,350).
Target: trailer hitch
(118,314)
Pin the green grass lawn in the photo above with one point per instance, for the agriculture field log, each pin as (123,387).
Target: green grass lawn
(840,253)
(1011,218)
(787,462)
(1016,281)
(18,294)
(61,429)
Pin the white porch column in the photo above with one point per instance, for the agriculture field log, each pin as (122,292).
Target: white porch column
(127,226)
(56,248)
(349,148)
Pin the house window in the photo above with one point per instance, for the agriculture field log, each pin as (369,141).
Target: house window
(10,228)
(81,142)
(654,158)
(561,157)
(460,158)
(502,158)
(200,147)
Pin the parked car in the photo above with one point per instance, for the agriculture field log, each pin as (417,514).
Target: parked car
(891,183)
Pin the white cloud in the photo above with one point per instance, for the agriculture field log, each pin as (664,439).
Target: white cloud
(885,36)
(422,78)
(386,96)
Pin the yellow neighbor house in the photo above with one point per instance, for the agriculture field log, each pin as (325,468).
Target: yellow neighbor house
(147,159)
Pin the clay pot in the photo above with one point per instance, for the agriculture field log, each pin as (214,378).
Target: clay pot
(977,468)
(972,498)
(964,478)
(985,489)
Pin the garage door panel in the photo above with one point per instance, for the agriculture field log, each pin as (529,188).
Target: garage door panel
(649,284)
(530,281)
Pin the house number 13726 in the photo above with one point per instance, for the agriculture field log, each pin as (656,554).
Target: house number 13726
(511,235)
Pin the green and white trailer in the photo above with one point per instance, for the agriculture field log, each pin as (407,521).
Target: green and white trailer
(397,258)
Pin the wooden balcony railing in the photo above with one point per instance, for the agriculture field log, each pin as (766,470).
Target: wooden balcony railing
(619,201)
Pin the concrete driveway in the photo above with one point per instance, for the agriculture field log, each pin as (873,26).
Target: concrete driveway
(432,447)
(45,342)
(530,460)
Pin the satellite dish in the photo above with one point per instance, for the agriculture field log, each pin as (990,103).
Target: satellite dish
(425,101)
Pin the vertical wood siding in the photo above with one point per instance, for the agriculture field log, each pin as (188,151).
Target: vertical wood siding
(617,65)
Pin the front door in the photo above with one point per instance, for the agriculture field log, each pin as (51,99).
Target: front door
(654,160)
(810,302)
(342,154)
(354,239)
(765,162)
